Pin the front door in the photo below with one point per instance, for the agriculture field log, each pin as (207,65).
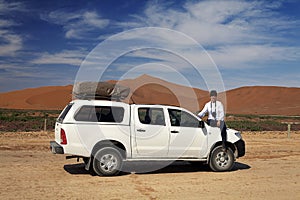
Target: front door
(187,139)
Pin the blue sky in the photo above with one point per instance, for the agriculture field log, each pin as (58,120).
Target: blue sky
(250,42)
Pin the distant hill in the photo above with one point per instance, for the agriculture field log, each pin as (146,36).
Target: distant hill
(269,100)
(42,98)
(146,89)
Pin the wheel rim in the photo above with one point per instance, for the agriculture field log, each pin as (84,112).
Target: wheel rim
(108,162)
(222,159)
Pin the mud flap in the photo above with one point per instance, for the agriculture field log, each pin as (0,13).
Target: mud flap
(87,164)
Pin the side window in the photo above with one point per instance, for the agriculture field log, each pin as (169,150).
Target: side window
(87,114)
(154,116)
(62,116)
(175,116)
(182,118)
(100,114)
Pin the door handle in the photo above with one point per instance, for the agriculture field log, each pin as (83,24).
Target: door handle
(141,130)
(174,131)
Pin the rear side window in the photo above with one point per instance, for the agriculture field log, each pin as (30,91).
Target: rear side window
(62,116)
(100,114)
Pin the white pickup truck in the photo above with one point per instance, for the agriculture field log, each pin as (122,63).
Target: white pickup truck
(108,133)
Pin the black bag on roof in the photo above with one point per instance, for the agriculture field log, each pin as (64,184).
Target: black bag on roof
(100,90)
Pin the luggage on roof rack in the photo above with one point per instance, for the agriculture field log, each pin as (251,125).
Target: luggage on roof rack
(100,90)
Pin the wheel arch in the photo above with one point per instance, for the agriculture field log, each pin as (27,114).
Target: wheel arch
(110,143)
(219,143)
(102,144)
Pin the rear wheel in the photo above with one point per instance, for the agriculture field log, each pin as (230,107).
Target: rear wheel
(221,160)
(107,161)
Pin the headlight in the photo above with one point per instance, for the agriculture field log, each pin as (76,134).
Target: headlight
(238,134)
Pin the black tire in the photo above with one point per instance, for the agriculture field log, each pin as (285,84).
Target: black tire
(107,161)
(221,160)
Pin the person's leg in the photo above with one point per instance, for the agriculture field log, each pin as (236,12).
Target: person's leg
(208,122)
(223,134)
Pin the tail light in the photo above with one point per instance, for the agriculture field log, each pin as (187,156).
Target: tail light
(63,137)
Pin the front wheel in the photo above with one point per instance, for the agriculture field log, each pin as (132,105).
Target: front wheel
(107,161)
(221,160)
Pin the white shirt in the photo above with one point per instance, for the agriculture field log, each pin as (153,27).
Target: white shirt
(213,107)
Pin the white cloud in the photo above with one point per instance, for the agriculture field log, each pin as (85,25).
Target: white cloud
(10,43)
(6,6)
(216,12)
(218,22)
(93,19)
(254,78)
(15,70)
(76,25)
(68,57)
(7,23)
(244,56)
(235,33)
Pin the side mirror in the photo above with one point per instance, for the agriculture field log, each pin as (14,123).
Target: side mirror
(201,124)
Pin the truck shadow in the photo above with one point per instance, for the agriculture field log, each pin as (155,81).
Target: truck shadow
(76,169)
(155,168)
(174,167)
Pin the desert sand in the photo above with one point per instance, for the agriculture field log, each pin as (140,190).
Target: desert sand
(269,170)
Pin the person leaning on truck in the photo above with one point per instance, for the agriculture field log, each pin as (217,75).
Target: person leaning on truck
(215,112)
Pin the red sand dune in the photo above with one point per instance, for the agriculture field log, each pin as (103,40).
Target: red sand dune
(267,100)
(147,89)
(42,98)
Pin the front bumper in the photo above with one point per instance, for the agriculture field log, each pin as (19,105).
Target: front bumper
(56,148)
(241,149)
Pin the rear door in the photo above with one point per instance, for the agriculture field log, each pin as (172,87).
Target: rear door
(151,135)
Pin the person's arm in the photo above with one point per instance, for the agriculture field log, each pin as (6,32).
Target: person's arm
(203,111)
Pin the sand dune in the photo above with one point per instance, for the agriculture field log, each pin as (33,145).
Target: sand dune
(42,98)
(150,90)
(267,100)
